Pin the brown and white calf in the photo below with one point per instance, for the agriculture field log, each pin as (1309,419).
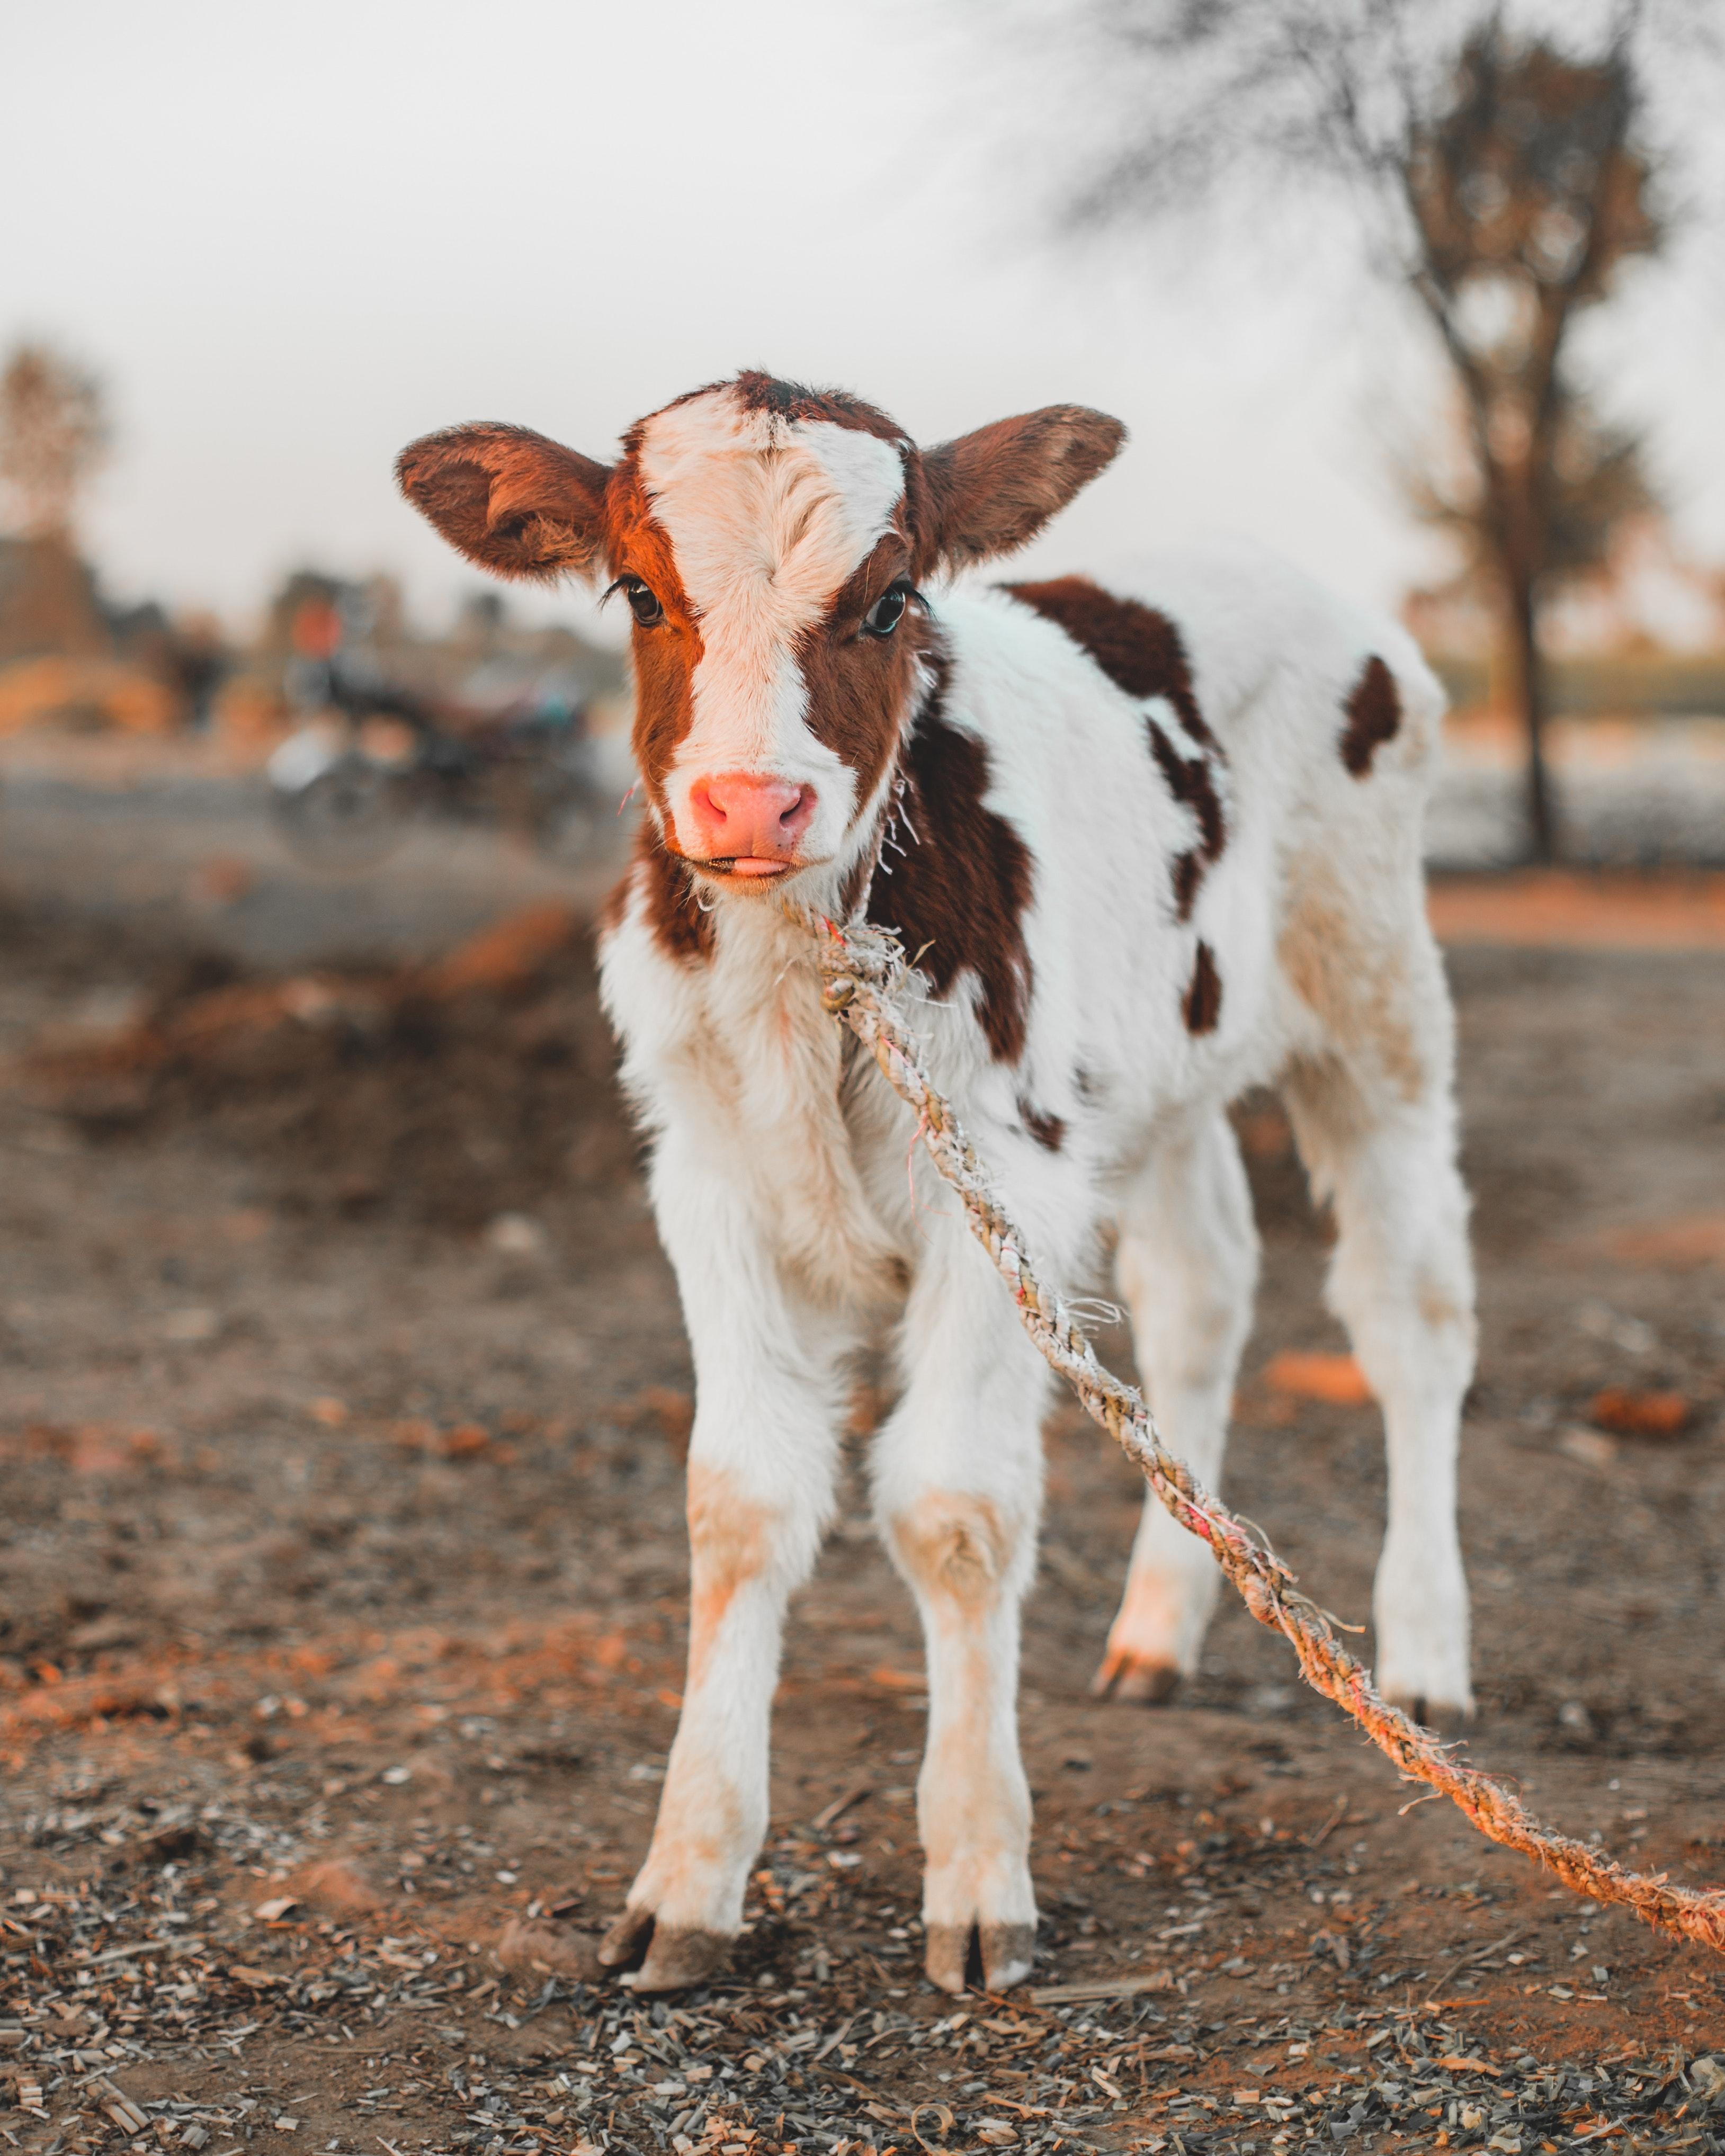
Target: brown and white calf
(1149,850)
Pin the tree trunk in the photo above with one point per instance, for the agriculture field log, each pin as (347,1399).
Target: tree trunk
(1528,674)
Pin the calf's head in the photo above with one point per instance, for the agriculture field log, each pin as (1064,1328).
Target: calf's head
(770,542)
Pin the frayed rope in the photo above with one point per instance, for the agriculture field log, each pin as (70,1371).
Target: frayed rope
(866,982)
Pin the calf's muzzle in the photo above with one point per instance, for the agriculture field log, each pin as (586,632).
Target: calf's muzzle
(749,823)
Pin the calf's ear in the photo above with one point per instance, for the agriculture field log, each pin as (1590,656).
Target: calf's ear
(512,500)
(992,492)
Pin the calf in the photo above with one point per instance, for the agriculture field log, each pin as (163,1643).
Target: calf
(1146,851)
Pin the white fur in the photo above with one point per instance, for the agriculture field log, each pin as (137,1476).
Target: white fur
(785,1184)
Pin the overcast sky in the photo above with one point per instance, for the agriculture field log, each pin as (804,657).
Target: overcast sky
(292,239)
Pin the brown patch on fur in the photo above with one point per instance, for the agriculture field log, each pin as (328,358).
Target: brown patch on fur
(1142,653)
(954,1544)
(1356,986)
(1050,1131)
(957,893)
(728,1534)
(1138,648)
(516,502)
(1203,1005)
(680,927)
(794,402)
(886,561)
(1374,716)
(1190,781)
(664,703)
(859,686)
(992,491)
(664,658)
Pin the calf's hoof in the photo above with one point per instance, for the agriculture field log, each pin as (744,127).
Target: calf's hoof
(1002,1952)
(671,1957)
(1136,1680)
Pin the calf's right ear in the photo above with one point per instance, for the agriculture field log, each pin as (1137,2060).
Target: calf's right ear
(516,502)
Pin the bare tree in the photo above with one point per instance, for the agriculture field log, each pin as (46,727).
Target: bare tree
(1528,193)
(1507,175)
(54,435)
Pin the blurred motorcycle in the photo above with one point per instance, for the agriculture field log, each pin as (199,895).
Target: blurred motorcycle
(374,759)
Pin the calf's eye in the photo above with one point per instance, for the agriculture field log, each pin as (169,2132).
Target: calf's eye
(642,603)
(887,611)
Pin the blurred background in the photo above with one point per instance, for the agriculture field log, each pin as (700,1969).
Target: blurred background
(1432,300)
(343,1391)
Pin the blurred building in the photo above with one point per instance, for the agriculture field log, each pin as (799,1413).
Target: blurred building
(69,657)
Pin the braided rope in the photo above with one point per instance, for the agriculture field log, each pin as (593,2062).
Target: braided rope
(863,973)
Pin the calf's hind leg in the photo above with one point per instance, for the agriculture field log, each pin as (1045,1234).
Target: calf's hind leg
(958,1484)
(1188,1266)
(1401,1282)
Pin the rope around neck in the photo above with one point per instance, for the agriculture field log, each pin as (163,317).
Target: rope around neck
(863,974)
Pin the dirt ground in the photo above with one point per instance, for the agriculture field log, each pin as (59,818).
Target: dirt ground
(342,1393)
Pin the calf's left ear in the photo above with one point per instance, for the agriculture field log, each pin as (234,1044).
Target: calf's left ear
(992,492)
(516,502)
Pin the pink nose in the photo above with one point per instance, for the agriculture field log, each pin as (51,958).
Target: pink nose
(750,821)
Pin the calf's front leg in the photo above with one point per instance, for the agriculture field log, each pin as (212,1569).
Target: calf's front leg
(958,1478)
(761,1465)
